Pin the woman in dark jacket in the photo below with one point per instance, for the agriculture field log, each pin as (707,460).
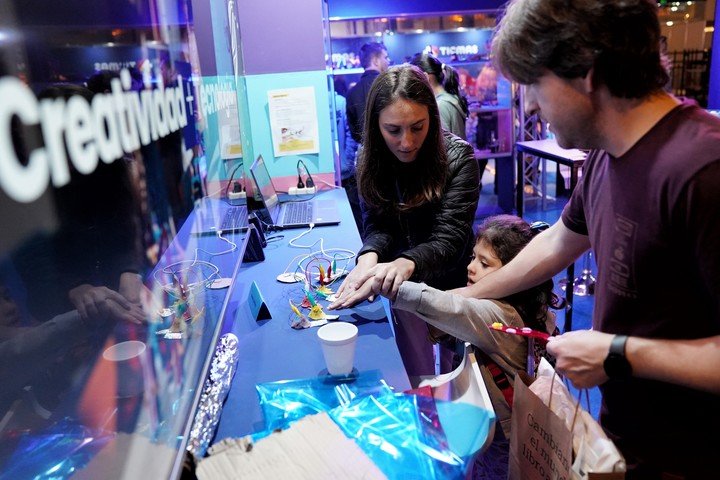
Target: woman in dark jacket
(419,188)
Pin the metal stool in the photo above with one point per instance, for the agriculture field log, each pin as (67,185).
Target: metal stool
(584,284)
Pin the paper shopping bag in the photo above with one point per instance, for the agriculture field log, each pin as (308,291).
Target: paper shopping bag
(540,442)
(595,456)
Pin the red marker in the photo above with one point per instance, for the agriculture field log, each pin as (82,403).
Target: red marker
(522,331)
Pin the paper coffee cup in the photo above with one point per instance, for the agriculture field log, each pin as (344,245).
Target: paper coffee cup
(129,360)
(338,346)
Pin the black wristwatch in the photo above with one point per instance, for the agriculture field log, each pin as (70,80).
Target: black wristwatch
(616,364)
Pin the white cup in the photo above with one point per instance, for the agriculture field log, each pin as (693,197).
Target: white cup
(338,346)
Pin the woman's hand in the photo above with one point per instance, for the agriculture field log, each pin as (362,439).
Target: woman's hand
(351,282)
(383,278)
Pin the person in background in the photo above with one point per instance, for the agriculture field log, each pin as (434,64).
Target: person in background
(341,128)
(95,241)
(419,192)
(486,85)
(374,59)
(500,355)
(445,84)
(486,122)
(340,85)
(648,205)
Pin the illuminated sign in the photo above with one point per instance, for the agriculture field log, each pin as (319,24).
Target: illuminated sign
(453,50)
(102,129)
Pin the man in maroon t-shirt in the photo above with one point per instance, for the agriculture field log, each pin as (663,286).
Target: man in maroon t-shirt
(648,205)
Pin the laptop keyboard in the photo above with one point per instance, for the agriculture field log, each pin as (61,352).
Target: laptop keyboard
(235,218)
(298,213)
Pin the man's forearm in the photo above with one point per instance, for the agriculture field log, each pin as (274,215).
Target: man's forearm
(691,363)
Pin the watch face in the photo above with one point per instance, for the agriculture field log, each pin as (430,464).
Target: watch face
(616,366)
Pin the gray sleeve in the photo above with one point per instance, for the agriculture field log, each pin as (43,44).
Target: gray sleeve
(447,118)
(467,319)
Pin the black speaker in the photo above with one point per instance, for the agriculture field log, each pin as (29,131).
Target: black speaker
(254,220)
(254,250)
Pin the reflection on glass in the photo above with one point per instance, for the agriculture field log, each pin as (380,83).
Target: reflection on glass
(102,160)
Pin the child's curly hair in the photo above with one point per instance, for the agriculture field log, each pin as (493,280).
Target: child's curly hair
(507,235)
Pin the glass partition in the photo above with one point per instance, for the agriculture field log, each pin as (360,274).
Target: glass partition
(110,299)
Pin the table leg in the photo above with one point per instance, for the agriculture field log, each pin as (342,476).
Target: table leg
(569,297)
(544,184)
(569,286)
(519,184)
(505,173)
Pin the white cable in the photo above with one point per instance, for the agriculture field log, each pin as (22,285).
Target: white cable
(327,183)
(170,270)
(292,244)
(233,247)
(212,195)
(324,253)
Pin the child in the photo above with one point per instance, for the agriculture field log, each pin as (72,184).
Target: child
(501,355)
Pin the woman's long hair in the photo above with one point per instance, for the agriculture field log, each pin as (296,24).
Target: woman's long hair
(507,235)
(445,75)
(377,167)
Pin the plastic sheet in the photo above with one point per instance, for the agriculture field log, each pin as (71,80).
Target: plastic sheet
(56,453)
(467,426)
(289,400)
(400,433)
(405,435)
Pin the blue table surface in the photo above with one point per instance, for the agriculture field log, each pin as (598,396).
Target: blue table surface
(270,350)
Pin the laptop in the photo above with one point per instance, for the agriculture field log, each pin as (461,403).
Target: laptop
(291,214)
(213,215)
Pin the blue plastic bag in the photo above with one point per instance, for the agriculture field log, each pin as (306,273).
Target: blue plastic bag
(289,400)
(405,435)
(400,434)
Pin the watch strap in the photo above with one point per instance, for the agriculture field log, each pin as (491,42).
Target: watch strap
(616,365)
(617,345)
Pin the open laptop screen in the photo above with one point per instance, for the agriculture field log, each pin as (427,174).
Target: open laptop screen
(264,183)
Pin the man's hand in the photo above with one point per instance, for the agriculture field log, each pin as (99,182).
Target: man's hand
(580,356)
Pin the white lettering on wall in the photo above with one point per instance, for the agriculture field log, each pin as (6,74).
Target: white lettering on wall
(23,183)
(113,123)
(454,50)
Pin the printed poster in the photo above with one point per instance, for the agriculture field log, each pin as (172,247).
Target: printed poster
(293,121)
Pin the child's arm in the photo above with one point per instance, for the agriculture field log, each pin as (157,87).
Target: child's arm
(467,319)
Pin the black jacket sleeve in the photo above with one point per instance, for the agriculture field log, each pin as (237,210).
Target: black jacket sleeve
(378,233)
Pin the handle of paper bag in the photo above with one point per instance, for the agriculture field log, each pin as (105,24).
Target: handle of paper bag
(577,406)
(552,387)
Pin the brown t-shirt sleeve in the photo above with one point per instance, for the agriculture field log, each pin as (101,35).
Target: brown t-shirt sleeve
(699,210)
(573,215)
